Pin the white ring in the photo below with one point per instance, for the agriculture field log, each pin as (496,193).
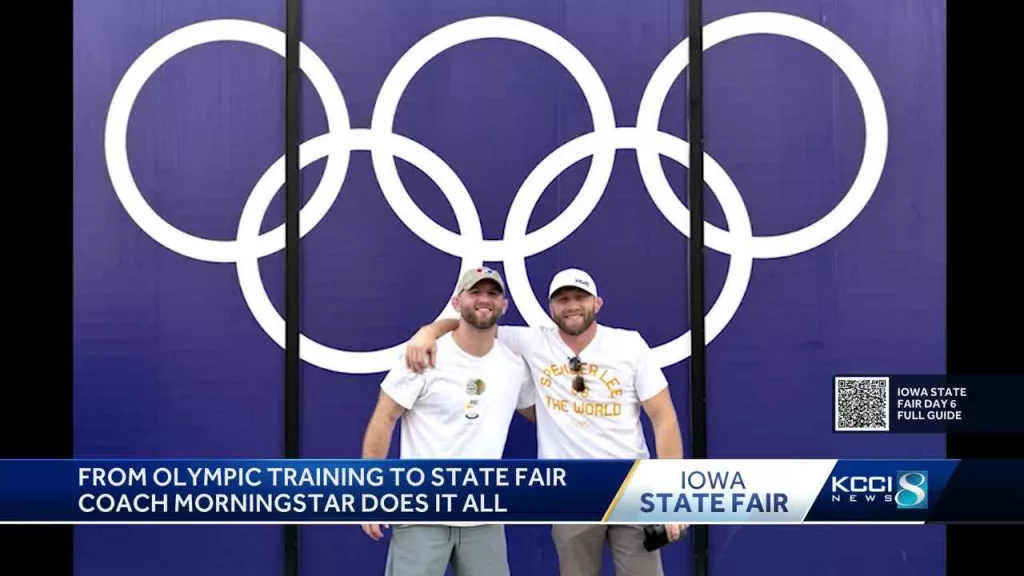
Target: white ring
(116,136)
(251,282)
(528,33)
(876,132)
(740,265)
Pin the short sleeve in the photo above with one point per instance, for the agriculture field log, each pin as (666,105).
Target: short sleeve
(519,339)
(403,385)
(650,380)
(527,393)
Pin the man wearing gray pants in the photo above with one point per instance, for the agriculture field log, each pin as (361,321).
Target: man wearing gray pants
(459,409)
(471,550)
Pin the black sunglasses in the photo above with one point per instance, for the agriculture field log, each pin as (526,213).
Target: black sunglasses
(576,366)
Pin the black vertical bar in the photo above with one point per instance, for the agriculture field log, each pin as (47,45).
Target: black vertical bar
(292,366)
(695,201)
(292,253)
(979,299)
(37,420)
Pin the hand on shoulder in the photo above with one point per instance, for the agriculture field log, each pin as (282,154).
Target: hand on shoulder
(421,351)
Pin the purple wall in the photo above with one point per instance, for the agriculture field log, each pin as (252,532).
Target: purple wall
(171,362)
(168,362)
(786,124)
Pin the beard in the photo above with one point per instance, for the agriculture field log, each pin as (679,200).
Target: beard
(588,319)
(478,322)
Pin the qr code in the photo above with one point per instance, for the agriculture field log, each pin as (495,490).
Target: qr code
(862,404)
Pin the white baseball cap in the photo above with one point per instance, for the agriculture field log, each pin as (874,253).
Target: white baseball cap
(573,277)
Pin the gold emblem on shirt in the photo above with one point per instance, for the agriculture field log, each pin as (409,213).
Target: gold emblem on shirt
(475,387)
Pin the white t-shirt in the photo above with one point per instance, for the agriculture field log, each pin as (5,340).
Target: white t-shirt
(462,408)
(604,421)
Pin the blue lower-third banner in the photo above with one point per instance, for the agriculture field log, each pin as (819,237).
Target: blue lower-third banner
(511,491)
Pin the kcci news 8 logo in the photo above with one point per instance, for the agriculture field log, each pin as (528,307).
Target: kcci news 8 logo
(908,489)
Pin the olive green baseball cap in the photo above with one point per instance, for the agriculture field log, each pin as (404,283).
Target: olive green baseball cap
(472,276)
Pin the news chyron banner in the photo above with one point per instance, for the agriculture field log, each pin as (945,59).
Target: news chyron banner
(511,491)
(928,404)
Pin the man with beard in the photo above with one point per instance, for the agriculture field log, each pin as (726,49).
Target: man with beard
(592,382)
(460,408)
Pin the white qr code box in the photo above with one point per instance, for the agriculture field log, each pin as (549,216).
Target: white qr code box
(861,404)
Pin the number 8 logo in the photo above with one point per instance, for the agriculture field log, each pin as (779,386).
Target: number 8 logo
(913,492)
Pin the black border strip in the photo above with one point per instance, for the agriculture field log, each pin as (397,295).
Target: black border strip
(292,289)
(695,201)
(984,311)
(36,411)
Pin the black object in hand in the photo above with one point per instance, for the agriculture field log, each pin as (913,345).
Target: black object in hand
(655,536)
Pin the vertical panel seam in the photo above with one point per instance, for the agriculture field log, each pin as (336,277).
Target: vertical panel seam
(292,262)
(695,202)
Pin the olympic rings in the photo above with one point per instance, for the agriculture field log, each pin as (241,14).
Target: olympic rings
(516,245)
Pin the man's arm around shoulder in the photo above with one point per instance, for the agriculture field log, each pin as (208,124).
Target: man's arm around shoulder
(421,351)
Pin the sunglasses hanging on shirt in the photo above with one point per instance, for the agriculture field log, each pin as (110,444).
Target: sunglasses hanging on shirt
(576,367)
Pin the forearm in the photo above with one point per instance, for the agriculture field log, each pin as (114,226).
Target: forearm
(440,327)
(668,439)
(377,439)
